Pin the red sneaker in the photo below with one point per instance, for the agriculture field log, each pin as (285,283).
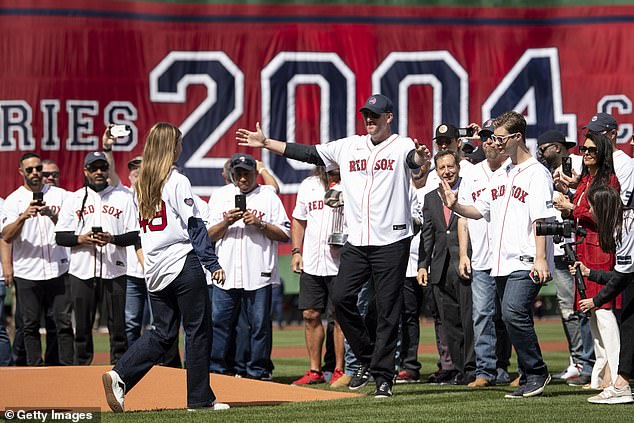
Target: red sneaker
(311,377)
(336,375)
(406,377)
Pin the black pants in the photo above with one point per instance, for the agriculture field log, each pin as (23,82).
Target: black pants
(35,296)
(86,295)
(386,265)
(410,326)
(626,356)
(456,312)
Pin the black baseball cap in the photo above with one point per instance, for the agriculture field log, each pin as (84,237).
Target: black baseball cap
(377,103)
(487,128)
(243,161)
(601,122)
(95,156)
(446,130)
(552,136)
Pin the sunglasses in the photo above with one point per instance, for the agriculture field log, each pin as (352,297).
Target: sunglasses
(134,165)
(503,139)
(54,175)
(30,169)
(590,150)
(368,114)
(94,168)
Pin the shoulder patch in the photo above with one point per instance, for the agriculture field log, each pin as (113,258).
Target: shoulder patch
(287,224)
(189,201)
(623,260)
(549,204)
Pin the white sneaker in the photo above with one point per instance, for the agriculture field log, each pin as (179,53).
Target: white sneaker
(570,372)
(214,406)
(613,395)
(115,390)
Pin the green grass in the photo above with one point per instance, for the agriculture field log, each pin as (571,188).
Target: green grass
(415,402)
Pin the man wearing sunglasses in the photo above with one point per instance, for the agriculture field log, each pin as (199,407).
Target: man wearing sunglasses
(50,172)
(39,264)
(98,222)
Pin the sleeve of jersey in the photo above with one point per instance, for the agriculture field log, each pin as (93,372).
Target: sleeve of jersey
(131,215)
(483,203)
(540,196)
(299,212)
(203,208)
(279,217)
(10,212)
(66,220)
(330,153)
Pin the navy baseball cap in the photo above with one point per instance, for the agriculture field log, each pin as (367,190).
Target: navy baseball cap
(377,103)
(601,122)
(552,136)
(477,155)
(487,128)
(95,156)
(446,130)
(243,161)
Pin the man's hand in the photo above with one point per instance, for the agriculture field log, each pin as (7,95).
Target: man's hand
(233,216)
(250,219)
(107,140)
(87,239)
(423,156)
(31,211)
(422,276)
(219,276)
(464,267)
(586,305)
(103,238)
(251,139)
(448,197)
(541,267)
(297,263)
(8,278)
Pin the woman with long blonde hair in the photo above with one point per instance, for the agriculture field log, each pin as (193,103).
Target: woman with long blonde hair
(175,244)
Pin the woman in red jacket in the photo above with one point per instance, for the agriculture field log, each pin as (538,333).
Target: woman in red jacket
(597,171)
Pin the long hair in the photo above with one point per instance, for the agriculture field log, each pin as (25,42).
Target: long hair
(159,154)
(320,171)
(605,166)
(608,214)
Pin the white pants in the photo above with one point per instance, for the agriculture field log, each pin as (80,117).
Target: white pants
(607,344)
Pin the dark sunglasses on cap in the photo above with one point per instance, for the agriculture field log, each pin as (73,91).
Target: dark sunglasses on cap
(30,169)
(50,175)
(102,167)
(590,150)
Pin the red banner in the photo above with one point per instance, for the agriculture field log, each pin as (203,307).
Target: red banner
(302,71)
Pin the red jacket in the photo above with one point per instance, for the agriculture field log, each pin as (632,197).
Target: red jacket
(589,252)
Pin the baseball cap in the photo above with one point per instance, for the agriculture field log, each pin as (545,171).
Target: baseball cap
(552,136)
(446,130)
(477,155)
(601,122)
(377,103)
(468,146)
(487,128)
(243,161)
(93,157)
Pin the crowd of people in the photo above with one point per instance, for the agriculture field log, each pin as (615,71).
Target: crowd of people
(381,230)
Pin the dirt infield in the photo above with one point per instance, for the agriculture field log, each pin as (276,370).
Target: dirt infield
(162,388)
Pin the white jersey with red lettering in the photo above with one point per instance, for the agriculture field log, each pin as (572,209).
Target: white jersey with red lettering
(376,187)
(111,209)
(247,256)
(475,181)
(164,238)
(319,258)
(518,195)
(36,255)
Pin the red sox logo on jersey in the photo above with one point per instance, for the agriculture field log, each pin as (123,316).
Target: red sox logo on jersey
(256,213)
(105,209)
(516,192)
(315,205)
(476,194)
(360,165)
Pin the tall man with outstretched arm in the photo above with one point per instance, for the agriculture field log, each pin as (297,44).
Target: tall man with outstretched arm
(518,196)
(375,173)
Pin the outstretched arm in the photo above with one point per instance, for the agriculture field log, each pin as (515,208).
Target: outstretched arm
(257,139)
(450,199)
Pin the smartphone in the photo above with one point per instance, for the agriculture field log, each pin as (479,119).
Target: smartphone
(466,132)
(566,166)
(97,229)
(241,202)
(39,197)
(120,131)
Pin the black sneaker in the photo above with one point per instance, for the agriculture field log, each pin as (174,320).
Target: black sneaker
(518,393)
(580,380)
(442,377)
(383,390)
(361,378)
(535,387)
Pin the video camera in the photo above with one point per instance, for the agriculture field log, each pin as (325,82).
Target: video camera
(560,231)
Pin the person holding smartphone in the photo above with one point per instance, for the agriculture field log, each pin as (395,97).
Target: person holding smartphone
(98,222)
(39,264)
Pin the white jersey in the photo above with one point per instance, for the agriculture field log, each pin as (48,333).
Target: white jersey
(376,186)
(518,195)
(625,250)
(133,265)
(247,256)
(36,255)
(164,238)
(577,166)
(624,170)
(475,181)
(319,258)
(1,207)
(412,262)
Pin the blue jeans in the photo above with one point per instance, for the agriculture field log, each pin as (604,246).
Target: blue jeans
(136,298)
(352,364)
(186,296)
(518,293)
(483,291)
(226,307)
(5,344)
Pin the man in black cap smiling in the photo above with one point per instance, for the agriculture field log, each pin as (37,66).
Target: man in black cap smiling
(552,147)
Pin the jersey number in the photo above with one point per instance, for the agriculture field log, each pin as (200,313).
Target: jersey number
(157,223)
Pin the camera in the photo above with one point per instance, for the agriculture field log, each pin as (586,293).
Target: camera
(559,230)
(466,132)
(120,131)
